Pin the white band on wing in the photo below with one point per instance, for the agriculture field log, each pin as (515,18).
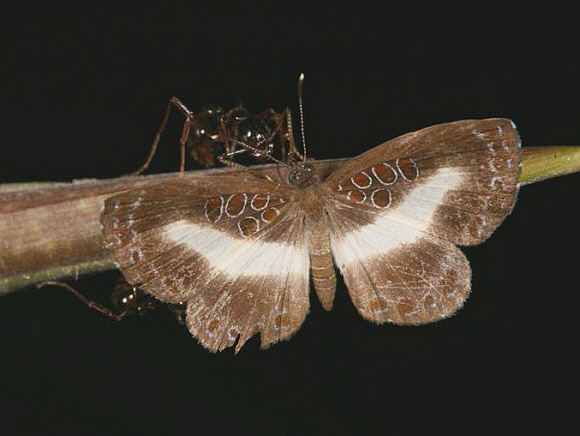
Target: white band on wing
(405,224)
(238,257)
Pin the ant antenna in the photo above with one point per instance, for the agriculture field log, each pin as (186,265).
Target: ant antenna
(300,105)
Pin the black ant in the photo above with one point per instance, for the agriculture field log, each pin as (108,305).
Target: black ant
(213,133)
(127,299)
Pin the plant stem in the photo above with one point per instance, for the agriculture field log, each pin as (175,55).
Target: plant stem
(52,230)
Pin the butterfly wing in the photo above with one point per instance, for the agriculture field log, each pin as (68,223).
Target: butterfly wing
(232,247)
(396,212)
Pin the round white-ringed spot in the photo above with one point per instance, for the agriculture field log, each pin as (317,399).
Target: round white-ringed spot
(381,198)
(270,215)
(361,180)
(408,169)
(236,205)
(356,196)
(260,202)
(385,173)
(214,208)
(248,226)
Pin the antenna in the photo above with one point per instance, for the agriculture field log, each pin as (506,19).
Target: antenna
(300,105)
(303,171)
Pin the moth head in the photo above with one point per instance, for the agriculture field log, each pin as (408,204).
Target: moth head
(301,174)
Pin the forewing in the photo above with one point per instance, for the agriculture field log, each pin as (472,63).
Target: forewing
(232,247)
(396,212)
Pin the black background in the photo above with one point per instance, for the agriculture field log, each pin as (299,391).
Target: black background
(84,89)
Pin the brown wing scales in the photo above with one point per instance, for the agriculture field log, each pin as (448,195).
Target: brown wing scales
(397,210)
(234,250)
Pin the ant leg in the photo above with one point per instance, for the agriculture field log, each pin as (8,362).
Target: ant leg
(227,158)
(185,133)
(92,304)
(173,101)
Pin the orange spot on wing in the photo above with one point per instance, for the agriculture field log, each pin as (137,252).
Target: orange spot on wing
(270,215)
(385,173)
(259,201)
(248,226)
(357,196)
(362,180)
(236,204)
(408,168)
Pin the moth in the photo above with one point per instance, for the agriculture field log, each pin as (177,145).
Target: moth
(238,247)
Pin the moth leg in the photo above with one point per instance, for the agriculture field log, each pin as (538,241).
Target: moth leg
(189,118)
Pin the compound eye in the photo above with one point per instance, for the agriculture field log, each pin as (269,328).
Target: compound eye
(293,177)
(300,173)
